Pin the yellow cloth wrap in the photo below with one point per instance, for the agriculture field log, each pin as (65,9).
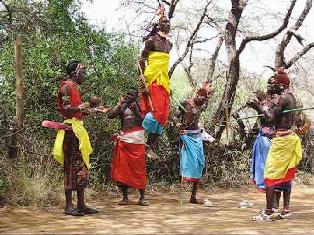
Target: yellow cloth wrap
(157,69)
(84,143)
(285,153)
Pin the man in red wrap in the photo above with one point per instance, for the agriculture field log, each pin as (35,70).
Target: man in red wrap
(154,63)
(128,166)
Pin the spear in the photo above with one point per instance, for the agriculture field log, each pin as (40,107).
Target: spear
(284,111)
(144,84)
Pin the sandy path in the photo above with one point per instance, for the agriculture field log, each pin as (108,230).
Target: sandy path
(166,215)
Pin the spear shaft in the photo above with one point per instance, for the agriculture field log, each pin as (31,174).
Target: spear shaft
(284,111)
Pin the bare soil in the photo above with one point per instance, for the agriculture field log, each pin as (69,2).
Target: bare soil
(166,215)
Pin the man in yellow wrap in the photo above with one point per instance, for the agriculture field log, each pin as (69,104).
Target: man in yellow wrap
(155,100)
(72,146)
(285,151)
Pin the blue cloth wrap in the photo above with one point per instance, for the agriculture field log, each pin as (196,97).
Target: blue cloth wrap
(192,159)
(151,125)
(260,151)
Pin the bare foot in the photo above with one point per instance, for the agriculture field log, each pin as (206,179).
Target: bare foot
(87,210)
(124,202)
(142,202)
(72,211)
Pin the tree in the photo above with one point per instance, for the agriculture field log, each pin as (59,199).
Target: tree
(223,112)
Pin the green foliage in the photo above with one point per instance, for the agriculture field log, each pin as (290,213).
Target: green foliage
(62,34)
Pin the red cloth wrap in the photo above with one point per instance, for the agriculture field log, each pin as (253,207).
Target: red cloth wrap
(75,100)
(161,101)
(128,165)
(288,177)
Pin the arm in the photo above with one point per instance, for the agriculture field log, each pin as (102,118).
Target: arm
(179,114)
(136,110)
(271,114)
(117,110)
(149,46)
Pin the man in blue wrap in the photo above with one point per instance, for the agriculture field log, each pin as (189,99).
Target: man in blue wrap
(192,159)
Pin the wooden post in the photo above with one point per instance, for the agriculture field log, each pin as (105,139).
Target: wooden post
(17,125)
(19,83)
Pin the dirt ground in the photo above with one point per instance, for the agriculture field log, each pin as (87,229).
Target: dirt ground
(166,215)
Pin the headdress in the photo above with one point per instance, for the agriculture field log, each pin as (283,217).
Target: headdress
(205,91)
(281,76)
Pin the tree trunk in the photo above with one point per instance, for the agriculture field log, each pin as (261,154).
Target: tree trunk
(19,83)
(232,77)
(224,109)
(17,125)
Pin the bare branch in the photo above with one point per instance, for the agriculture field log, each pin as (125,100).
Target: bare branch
(172,7)
(279,54)
(212,61)
(165,2)
(270,35)
(202,40)
(299,38)
(188,68)
(190,41)
(299,55)
(267,66)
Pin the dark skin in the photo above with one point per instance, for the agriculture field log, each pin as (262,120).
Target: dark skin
(129,113)
(189,121)
(282,100)
(79,78)
(157,42)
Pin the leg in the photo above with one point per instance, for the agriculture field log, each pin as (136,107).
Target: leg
(193,198)
(286,199)
(69,208)
(124,190)
(268,213)
(277,199)
(150,145)
(142,201)
(81,206)
(80,198)
(285,213)
(68,199)
(152,137)
(270,193)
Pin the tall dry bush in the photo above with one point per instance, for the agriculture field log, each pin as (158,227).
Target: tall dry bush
(33,178)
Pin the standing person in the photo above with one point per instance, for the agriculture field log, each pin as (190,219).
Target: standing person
(72,146)
(262,142)
(154,62)
(285,152)
(128,166)
(261,146)
(192,159)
